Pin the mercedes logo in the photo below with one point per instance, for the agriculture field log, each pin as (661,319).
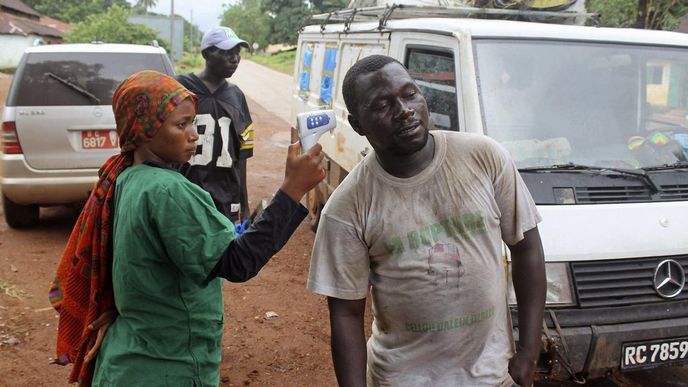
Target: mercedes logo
(669,278)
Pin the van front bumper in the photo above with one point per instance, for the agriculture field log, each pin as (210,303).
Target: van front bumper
(25,185)
(589,342)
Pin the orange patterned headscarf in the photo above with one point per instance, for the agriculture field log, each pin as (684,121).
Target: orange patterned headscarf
(82,288)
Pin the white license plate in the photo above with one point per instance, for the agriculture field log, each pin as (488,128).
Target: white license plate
(648,354)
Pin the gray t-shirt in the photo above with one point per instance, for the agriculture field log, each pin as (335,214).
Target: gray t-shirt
(430,250)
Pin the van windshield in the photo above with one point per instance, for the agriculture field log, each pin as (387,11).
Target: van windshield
(604,105)
(69,79)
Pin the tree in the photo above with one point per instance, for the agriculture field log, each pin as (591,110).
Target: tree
(248,20)
(653,14)
(289,16)
(146,4)
(113,27)
(661,14)
(73,11)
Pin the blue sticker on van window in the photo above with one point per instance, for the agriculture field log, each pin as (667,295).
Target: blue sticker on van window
(307,56)
(330,59)
(329,64)
(304,79)
(305,75)
(326,89)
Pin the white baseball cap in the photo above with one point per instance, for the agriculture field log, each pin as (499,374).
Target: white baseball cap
(223,38)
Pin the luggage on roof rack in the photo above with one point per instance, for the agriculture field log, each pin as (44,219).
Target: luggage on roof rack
(544,11)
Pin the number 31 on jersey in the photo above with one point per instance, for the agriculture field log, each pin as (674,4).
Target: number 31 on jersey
(206,141)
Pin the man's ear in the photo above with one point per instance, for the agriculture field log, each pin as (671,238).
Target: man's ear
(355,125)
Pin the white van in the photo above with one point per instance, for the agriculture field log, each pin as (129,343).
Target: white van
(596,120)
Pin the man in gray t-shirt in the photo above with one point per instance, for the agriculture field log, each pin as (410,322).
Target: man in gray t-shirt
(419,224)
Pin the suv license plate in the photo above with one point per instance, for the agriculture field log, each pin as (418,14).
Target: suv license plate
(648,354)
(99,139)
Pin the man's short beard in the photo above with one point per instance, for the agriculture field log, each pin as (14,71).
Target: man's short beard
(400,152)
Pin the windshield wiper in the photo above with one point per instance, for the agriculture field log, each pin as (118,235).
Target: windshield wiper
(74,87)
(676,165)
(640,174)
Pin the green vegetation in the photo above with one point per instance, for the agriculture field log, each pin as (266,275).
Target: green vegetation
(112,27)
(282,61)
(73,11)
(248,20)
(274,21)
(658,15)
(191,62)
(145,4)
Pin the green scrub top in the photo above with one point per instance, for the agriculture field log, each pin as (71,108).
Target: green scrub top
(167,238)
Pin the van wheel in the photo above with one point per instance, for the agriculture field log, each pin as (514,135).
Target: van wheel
(19,215)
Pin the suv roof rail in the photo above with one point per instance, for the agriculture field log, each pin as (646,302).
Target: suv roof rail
(382,14)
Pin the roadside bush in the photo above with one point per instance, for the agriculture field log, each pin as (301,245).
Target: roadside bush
(191,62)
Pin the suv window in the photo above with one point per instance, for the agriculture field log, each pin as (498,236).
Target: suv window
(67,79)
(435,75)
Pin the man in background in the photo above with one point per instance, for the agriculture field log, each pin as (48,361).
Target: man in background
(224,125)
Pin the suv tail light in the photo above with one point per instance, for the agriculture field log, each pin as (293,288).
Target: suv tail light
(10,142)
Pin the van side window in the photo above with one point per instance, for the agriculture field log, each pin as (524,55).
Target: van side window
(435,74)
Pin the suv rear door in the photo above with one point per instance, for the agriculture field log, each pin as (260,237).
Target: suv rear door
(63,102)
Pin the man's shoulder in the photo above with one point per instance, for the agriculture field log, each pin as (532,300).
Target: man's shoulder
(348,193)
(465,137)
(233,96)
(234,89)
(190,81)
(184,78)
(471,142)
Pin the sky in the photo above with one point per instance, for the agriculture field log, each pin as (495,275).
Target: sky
(206,13)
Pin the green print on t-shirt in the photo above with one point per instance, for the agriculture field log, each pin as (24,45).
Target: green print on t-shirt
(440,326)
(460,227)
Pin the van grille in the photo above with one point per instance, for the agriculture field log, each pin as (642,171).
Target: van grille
(620,282)
(613,194)
(674,192)
(630,193)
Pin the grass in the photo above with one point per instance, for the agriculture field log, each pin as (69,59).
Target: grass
(282,61)
(191,62)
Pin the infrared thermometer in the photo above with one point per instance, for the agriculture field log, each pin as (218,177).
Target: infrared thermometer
(311,125)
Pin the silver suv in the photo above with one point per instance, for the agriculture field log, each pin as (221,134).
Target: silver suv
(57,124)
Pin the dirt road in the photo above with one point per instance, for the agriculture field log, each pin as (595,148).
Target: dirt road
(290,350)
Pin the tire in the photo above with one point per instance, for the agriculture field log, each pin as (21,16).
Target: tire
(19,215)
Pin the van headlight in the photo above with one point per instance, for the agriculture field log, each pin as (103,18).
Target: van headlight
(559,290)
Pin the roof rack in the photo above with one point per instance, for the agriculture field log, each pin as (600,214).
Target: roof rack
(382,14)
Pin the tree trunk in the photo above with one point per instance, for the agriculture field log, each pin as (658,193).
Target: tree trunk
(640,21)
